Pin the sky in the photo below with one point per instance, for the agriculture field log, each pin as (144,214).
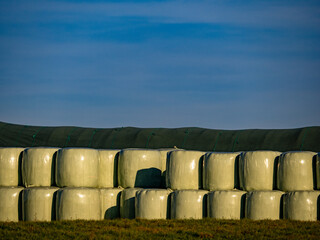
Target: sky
(219,64)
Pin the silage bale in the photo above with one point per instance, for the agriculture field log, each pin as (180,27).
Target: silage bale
(110,202)
(226,204)
(301,205)
(262,205)
(127,203)
(152,204)
(108,168)
(184,170)
(78,204)
(139,168)
(38,166)
(295,171)
(38,203)
(10,205)
(220,171)
(10,174)
(256,170)
(77,167)
(188,204)
(318,170)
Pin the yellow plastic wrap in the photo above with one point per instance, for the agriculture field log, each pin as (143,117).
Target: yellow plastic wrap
(10,206)
(108,168)
(110,202)
(188,204)
(152,204)
(78,203)
(301,205)
(38,166)
(127,203)
(38,204)
(10,161)
(262,205)
(220,171)
(164,155)
(256,170)
(77,167)
(226,204)
(139,168)
(295,171)
(184,170)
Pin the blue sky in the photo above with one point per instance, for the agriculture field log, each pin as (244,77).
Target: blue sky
(214,64)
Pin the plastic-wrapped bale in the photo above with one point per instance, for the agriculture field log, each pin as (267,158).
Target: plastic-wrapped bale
(10,166)
(78,203)
(164,155)
(139,168)
(38,166)
(184,170)
(295,171)
(256,170)
(188,204)
(152,204)
(301,205)
(10,206)
(77,167)
(38,204)
(262,205)
(110,202)
(226,204)
(108,168)
(127,203)
(220,171)
(318,170)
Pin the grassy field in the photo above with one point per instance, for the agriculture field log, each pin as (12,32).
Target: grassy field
(161,229)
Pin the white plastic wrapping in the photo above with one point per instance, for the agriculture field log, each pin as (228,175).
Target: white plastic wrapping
(256,170)
(108,168)
(220,171)
(77,167)
(184,170)
(226,204)
(139,168)
(9,166)
(152,204)
(164,154)
(10,208)
(301,205)
(318,170)
(38,204)
(78,203)
(110,202)
(188,204)
(295,171)
(38,166)
(262,205)
(127,203)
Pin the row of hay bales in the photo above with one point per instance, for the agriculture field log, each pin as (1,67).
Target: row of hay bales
(89,175)
(84,167)
(51,203)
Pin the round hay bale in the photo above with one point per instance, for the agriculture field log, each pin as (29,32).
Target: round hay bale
(139,168)
(127,203)
(108,168)
(38,204)
(262,205)
(256,170)
(110,202)
(295,171)
(10,205)
(38,166)
(152,204)
(77,167)
(10,161)
(78,204)
(184,170)
(226,204)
